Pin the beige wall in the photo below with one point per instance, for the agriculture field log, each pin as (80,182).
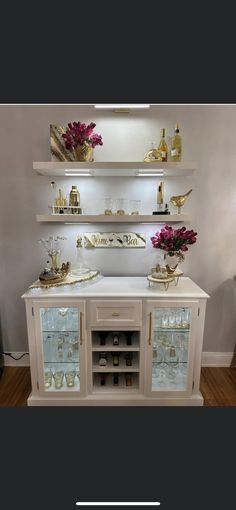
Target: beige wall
(209,134)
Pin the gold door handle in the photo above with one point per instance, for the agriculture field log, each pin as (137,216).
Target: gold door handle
(150,329)
(81,328)
(115,314)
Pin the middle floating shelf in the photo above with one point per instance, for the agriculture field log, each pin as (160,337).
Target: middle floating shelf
(104,218)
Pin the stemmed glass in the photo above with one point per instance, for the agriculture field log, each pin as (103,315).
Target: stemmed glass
(172,360)
(172,320)
(183,342)
(158,365)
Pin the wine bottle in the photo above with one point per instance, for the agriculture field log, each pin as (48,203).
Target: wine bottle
(116,380)
(128,379)
(176,145)
(116,339)
(128,337)
(102,359)
(115,359)
(128,358)
(102,335)
(103,379)
(163,146)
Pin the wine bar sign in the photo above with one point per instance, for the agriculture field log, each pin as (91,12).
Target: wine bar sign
(114,240)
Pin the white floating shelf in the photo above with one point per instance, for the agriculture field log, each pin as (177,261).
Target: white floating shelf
(113,169)
(103,218)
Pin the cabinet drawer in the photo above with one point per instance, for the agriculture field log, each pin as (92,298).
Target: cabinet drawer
(117,313)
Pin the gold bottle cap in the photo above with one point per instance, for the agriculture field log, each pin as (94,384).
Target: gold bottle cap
(163,132)
(74,187)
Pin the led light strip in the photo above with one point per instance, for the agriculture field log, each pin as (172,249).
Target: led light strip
(78,174)
(115,106)
(119,503)
(142,173)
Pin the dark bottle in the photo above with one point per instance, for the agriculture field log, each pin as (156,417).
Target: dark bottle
(115,359)
(103,379)
(116,380)
(128,379)
(128,337)
(128,359)
(102,335)
(116,339)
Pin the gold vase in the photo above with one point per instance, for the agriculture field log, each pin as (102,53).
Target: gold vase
(84,152)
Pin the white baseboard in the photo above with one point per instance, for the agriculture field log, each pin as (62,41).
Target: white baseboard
(216,359)
(209,359)
(10,362)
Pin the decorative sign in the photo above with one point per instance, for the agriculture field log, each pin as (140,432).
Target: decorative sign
(114,240)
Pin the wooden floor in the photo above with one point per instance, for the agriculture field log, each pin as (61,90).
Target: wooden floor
(218,386)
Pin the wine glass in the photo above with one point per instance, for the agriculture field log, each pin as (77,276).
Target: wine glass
(172,360)
(165,321)
(172,320)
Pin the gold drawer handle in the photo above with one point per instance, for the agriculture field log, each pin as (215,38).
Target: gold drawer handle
(150,329)
(81,328)
(115,314)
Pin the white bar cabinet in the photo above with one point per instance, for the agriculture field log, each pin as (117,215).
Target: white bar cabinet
(115,341)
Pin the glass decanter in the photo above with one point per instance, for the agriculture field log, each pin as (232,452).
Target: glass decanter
(80,267)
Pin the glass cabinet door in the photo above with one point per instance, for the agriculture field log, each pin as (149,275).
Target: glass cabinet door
(170,360)
(60,351)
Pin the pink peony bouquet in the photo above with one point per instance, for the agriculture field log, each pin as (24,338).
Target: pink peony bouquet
(79,133)
(173,241)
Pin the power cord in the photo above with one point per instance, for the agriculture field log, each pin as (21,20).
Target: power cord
(13,357)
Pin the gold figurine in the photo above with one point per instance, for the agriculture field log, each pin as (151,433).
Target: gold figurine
(180,200)
(152,154)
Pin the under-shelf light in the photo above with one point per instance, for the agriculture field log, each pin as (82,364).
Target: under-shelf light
(143,173)
(122,106)
(77,174)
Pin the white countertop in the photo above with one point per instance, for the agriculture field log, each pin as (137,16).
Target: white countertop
(120,287)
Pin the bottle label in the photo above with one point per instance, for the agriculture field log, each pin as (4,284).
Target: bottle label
(163,154)
(175,151)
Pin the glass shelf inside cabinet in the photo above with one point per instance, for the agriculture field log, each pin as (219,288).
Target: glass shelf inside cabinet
(171,335)
(60,336)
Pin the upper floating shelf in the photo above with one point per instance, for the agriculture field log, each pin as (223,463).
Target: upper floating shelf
(103,218)
(113,169)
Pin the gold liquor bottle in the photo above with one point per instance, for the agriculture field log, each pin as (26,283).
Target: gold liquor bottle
(176,145)
(163,146)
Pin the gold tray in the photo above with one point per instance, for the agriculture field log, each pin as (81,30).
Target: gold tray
(67,280)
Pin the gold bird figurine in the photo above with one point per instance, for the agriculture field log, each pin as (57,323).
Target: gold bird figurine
(180,200)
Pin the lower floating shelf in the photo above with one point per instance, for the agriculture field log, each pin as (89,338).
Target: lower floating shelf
(104,218)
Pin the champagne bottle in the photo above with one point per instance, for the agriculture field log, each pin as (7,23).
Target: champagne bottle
(163,146)
(176,145)
(160,196)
